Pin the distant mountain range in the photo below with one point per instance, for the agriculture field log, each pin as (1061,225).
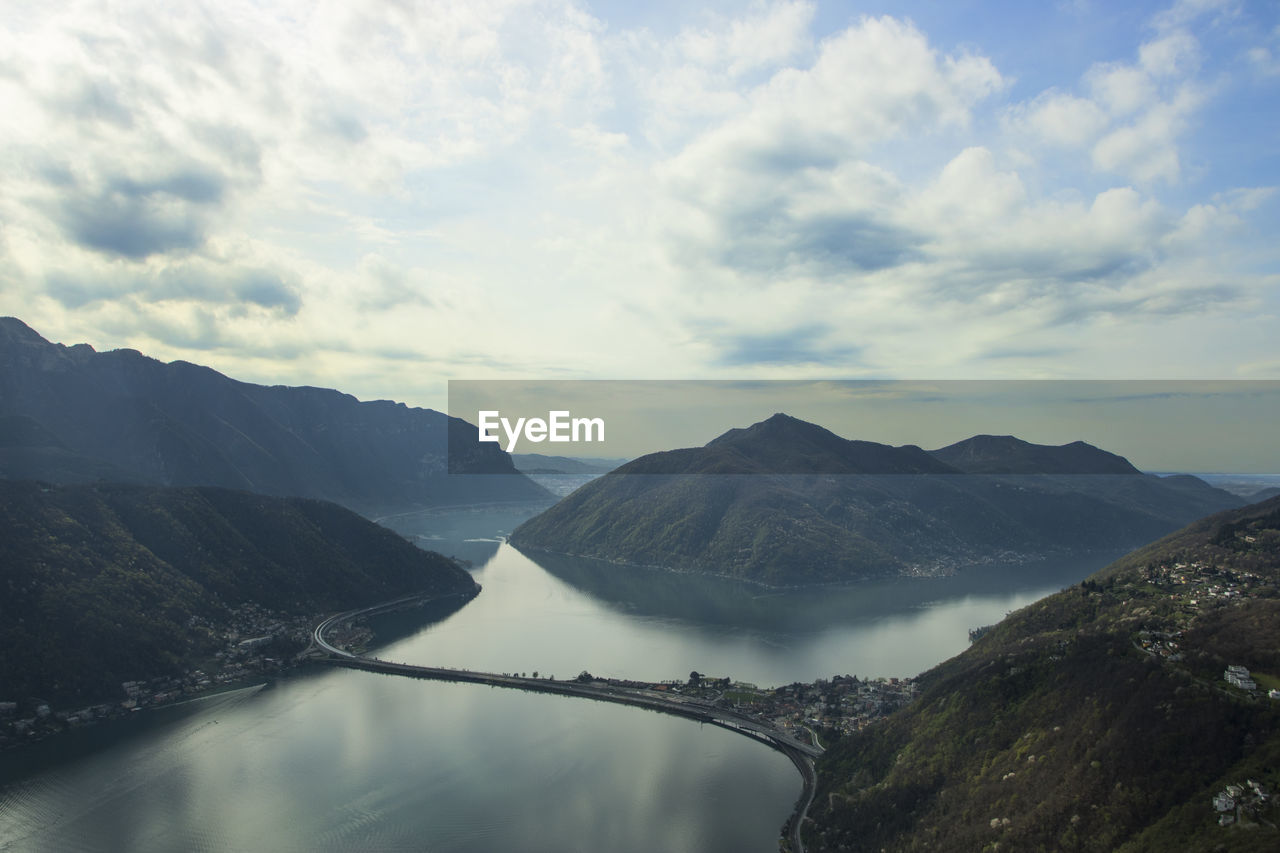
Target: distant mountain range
(784,502)
(1096,719)
(71,414)
(540,463)
(107,583)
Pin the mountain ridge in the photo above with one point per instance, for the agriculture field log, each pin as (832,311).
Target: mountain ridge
(791,503)
(128,416)
(1007,454)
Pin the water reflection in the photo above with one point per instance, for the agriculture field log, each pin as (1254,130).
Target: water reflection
(343,760)
(721,601)
(564,617)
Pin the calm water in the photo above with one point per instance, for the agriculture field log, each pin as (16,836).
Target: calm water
(345,760)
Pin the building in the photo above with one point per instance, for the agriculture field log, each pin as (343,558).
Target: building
(1238,676)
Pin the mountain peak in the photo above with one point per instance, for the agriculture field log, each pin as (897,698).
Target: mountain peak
(14,331)
(783,444)
(1007,454)
(778,427)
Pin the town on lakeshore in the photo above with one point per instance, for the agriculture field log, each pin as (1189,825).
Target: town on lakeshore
(257,643)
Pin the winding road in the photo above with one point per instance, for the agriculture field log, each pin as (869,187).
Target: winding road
(802,754)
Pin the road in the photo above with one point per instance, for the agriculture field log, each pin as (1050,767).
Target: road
(802,754)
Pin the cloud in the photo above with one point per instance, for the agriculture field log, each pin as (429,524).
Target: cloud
(799,219)
(802,345)
(1147,148)
(1061,119)
(1029,352)
(540,187)
(1167,303)
(191,282)
(132,228)
(383,285)
(987,231)
(689,80)
(1265,58)
(267,290)
(783,185)
(1173,54)
(766,37)
(136,218)
(1184,12)
(1131,115)
(1121,89)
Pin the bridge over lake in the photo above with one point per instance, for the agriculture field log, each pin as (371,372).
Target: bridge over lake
(801,753)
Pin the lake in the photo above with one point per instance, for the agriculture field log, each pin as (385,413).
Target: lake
(345,760)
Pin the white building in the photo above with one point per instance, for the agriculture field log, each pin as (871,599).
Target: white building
(1238,676)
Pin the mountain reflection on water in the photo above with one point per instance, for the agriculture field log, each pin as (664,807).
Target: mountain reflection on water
(723,601)
(562,615)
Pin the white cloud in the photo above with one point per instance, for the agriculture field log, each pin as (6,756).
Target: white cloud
(972,194)
(1121,89)
(1184,12)
(1147,148)
(1265,58)
(782,183)
(1173,54)
(1131,115)
(377,196)
(767,37)
(690,80)
(986,230)
(1061,119)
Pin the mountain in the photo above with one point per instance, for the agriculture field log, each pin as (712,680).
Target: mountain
(71,414)
(107,583)
(786,445)
(28,451)
(1097,719)
(1004,454)
(784,503)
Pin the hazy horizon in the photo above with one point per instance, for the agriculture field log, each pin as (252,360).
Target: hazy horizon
(1162,425)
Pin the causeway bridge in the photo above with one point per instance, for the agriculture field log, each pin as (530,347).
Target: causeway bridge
(801,753)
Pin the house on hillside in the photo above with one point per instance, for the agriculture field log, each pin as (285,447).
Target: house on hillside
(1238,676)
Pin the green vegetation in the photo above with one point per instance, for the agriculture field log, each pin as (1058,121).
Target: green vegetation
(742,697)
(1096,719)
(1266,681)
(104,584)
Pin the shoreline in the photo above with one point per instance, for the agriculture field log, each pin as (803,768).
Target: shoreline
(40,726)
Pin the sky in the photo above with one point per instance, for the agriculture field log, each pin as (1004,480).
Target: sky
(384,196)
